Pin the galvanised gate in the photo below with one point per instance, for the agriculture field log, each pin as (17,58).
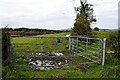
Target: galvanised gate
(40,51)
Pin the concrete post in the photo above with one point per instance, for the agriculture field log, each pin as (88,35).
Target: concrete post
(104,48)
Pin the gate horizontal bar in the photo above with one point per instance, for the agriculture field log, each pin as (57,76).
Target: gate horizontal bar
(92,51)
(88,42)
(81,52)
(81,48)
(93,56)
(39,44)
(93,48)
(55,65)
(44,51)
(89,55)
(86,57)
(82,44)
(45,56)
(53,37)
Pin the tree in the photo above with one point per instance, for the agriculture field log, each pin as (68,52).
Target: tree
(84,18)
(96,29)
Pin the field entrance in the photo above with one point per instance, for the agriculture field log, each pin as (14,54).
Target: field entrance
(49,52)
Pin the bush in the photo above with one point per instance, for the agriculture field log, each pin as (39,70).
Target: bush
(96,29)
(113,42)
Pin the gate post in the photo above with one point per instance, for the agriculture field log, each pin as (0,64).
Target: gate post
(10,49)
(104,48)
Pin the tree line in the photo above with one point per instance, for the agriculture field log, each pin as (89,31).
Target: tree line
(28,31)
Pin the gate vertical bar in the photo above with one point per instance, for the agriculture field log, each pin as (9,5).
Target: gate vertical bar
(86,46)
(41,51)
(77,45)
(72,48)
(99,51)
(41,44)
(104,47)
(69,43)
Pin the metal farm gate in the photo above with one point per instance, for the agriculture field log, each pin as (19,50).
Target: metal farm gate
(39,52)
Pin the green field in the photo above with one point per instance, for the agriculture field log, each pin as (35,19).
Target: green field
(27,46)
(110,70)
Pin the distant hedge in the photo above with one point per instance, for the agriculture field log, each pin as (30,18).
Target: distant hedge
(27,31)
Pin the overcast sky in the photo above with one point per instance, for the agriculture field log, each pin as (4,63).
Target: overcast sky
(54,14)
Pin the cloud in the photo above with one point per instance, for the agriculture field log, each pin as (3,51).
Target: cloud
(54,14)
(119,14)
(106,13)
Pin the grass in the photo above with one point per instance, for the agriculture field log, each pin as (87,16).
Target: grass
(25,46)
(19,43)
(110,70)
